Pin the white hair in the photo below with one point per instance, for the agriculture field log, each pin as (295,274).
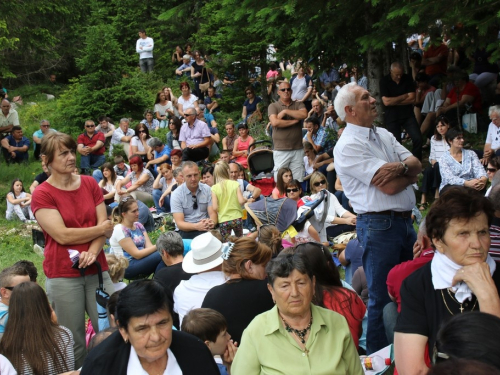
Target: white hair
(345,97)
(494,109)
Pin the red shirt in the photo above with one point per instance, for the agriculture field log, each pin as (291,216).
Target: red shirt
(400,272)
(84,139)
(348,304)
(78,210)
(471,90)
(440,67)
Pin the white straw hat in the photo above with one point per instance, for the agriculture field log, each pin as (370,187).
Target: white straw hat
(205,254)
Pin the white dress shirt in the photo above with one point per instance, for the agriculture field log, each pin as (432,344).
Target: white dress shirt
(358,155)
(135,368)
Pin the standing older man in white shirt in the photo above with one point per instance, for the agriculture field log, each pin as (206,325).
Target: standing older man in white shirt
(492,144)
(376,173)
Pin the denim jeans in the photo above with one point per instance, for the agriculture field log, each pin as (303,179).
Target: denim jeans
(144,266)
(92,161)
(387,240)
(166,202)
(97,174)
(390,316)
(147,65)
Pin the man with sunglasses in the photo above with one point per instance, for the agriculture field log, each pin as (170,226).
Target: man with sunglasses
(376,172)
(195,137)
(191,204)
(38,135)
(91,148)
(9,278)
(286,117)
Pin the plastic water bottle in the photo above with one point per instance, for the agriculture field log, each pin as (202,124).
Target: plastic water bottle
(375,363)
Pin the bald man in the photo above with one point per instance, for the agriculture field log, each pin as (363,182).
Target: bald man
(397,90)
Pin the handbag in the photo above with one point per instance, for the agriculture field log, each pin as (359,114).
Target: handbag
(469,122)
(204,86)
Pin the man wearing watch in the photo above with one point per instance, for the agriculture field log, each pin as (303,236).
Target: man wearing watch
(376,172)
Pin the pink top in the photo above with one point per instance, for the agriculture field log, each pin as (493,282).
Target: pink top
(243,146)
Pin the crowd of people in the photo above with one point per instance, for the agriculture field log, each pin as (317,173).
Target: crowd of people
(242,297)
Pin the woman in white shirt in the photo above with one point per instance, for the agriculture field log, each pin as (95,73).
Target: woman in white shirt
(163,109)
(18,203)
(139,142)
(330,219)
(186,100)
(431,175)
(108,182)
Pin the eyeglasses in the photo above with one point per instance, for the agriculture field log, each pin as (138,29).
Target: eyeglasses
(492,170)
(292,190)
(45,126)
(189,114)
(90,126)
(11,288)
(142,131)
(195,202)
(287,89)
(319,183)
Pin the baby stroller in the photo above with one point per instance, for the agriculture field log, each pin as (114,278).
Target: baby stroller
(261,165)
(281,212)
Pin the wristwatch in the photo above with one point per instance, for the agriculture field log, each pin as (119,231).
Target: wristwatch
(405,168)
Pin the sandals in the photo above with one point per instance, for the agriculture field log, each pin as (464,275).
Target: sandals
(422,206)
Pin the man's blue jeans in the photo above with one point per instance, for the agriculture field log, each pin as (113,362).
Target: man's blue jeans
(166,202)
(387,240)
(92,161)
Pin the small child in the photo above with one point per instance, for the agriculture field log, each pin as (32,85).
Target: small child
(211,327)
(18,203)
(117,266)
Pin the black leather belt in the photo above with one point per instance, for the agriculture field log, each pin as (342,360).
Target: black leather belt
(404,214)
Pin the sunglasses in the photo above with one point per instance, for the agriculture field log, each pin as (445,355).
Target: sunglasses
(287,89)
(11,288)
(319,183)
(292,190)
(189,114)
(45,126)
(90,126)
(142,131)
(492,170)
(195,202)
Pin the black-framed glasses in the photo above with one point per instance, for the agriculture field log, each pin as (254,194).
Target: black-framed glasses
(11,288)
(195,202)
(319,183)
(287,89)
(189,114)
(295,190)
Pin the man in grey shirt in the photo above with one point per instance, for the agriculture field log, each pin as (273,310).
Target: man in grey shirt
(191,204)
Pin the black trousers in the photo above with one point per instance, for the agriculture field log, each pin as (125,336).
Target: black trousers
(194,154)
(410,124)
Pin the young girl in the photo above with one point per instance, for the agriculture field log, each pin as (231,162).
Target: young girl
(108,182)
(283,178)
(240,150)
(227,200)
(117,266)
(18,203)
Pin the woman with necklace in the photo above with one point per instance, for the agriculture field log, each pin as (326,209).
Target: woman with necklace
(460,167)
(296,337)
(460,278)
(244,295)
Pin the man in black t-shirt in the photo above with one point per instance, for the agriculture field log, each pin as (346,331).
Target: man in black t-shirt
(398,95)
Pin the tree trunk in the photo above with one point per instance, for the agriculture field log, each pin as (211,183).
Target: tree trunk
(374,67)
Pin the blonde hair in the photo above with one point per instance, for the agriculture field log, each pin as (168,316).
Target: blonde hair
(318,176)
(123,206)
(117,266)
(221,175)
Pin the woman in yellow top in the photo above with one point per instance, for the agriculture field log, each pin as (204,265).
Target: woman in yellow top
(227,200)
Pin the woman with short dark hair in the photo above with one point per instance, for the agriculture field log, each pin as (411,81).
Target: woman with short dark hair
(278,340)
(146,342)
(460,278)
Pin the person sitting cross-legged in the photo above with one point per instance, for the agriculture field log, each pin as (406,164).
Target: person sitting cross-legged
(16,146)
(194,137)
(91,148)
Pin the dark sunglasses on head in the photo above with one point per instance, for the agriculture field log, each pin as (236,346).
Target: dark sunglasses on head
(287,89)
(322,182)
(292,190)
(195,202)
